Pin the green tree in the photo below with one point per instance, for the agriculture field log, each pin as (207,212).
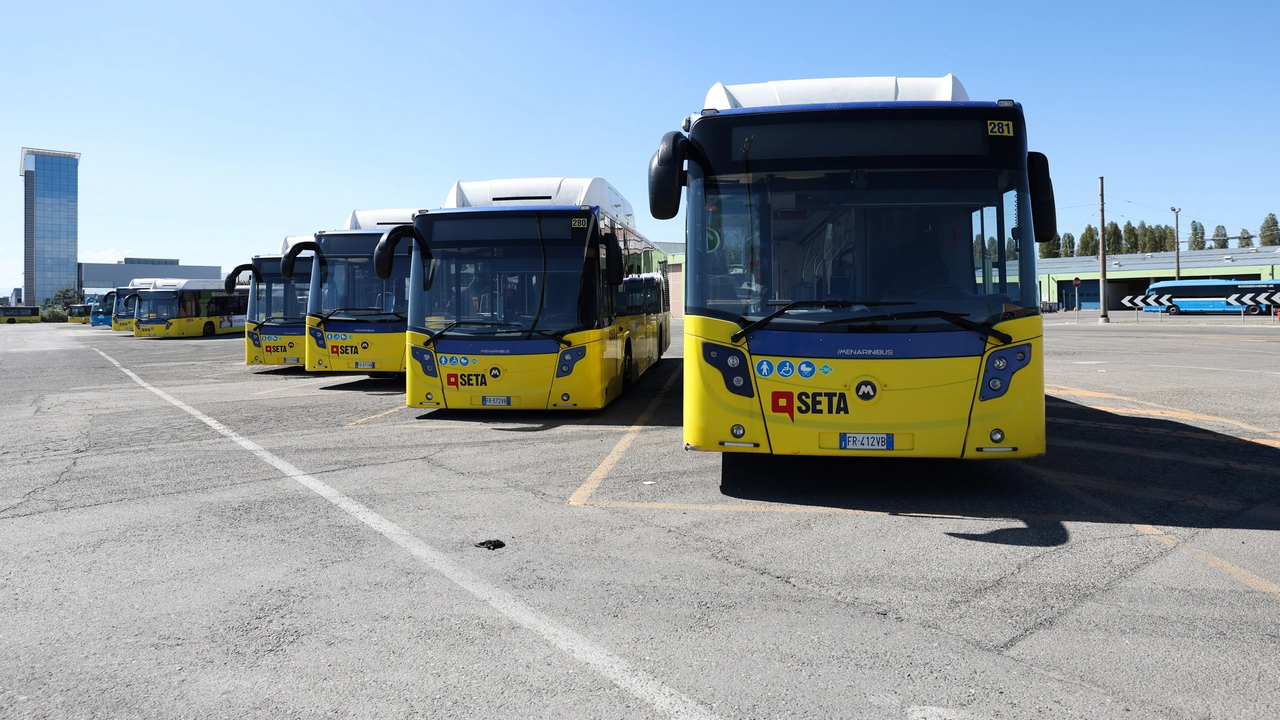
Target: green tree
(993,249)
(1220,240)
(1131,244)
(1010,249)
(65,297)
(1051,249)
(1146,237)
(1088,242)
(1068,245)
(1170,238)
(1196,240)
(1269,233)
(1115,239)
(1246,238)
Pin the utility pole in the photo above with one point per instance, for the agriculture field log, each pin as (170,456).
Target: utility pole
(1177,246)
(1102,253)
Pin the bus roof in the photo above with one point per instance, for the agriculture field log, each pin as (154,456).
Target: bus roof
(777,93)
(375,219)
(177,285)
(291,240)
(1187,283)
(546,191)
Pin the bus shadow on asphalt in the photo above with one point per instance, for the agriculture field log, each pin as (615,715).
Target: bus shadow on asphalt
(1100,467)
(285,371)
(371,385)
(626,411)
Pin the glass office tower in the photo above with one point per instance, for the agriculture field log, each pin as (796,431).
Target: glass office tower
(51,198)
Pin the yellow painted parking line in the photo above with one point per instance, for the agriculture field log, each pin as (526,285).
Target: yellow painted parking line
(291,386)
(1185,458)
(597,476)
(1165,411)
(1250,579)
(375,417)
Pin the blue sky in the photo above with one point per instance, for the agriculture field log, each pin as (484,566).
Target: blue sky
(210,132)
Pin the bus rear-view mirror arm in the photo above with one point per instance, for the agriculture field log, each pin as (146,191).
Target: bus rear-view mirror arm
(1044,212)
(230,284)
(667,175)
(615,268)
(384,254)
(291,258)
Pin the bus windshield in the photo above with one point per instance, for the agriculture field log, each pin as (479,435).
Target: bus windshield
(869,244)
(508,274)
(280,301)
(348,289)
(157,304)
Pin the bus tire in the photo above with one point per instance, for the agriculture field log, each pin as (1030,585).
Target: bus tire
(1254,310)
(208,330)
(1173,310)
(11,321)
(661,342)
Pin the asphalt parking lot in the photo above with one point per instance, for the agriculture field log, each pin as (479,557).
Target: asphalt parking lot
(185,536)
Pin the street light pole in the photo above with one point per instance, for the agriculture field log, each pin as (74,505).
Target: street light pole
(1102,253)
(1177,246)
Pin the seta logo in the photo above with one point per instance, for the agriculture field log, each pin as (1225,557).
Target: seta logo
(461,380)
(274,348)
(788,403)
(344,350)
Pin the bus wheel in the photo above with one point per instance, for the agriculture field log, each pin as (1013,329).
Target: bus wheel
(11,321)
(1254,310)
(661,344)
(1173,310)
(208,329)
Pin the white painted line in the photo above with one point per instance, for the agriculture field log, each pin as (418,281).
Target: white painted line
(662,698)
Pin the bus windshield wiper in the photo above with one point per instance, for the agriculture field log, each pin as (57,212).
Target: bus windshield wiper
(751,327)
(368,310)
(461,323)
(557,336)
(953,318)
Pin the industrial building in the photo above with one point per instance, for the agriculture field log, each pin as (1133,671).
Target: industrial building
(101,277)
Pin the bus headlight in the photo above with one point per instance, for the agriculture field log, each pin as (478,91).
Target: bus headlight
(997,436)
(995,384)
(564,397)
(732,361)
(1000,363)
(737,431)
(431,396)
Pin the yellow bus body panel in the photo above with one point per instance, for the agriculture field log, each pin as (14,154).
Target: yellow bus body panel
(186,327)
(328,351)
(267,345)
(529,382)
(930,405)
(122,325)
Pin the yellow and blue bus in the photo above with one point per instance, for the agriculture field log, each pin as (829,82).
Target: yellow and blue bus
(276,327)
(355,320)
(79,313)
(124,306)
(190,308)
(519,297)
(12,314)
(841,297)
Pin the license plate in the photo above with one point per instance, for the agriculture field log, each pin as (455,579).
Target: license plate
(291,360)
(864,441)
(496,401)
(364,365)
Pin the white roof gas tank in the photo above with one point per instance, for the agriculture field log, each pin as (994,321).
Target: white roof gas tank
(541,191)
(834,90)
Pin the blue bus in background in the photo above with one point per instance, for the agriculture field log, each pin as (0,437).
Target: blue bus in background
(100,308)
(1212,296)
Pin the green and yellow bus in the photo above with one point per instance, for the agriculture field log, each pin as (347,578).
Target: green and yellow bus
(519,297)
(841,296)
(12,314)
(355,320)
(276,326)
(190,308)
(79,313)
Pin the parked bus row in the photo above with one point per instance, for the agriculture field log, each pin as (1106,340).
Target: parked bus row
(833,302)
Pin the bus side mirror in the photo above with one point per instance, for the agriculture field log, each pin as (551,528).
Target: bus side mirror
(230,284)
(384,254)
(614,268)
(667,176)
(290,259)
(1044,212)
